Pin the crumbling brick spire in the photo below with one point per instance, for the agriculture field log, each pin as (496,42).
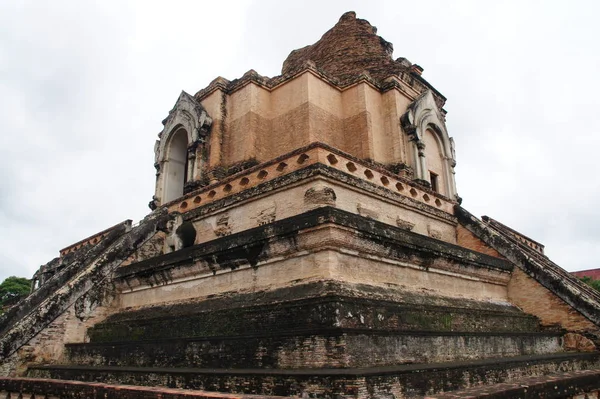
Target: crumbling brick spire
(346,51)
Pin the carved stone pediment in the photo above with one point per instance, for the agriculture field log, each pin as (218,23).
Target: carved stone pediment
(422,113)
(178,153)
(189,114)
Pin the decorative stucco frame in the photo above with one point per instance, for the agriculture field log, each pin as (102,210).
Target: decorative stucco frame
(422,115)
(188,115)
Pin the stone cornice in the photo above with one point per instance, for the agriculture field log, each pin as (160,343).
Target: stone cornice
(248,244)
(406,82)
(359,171)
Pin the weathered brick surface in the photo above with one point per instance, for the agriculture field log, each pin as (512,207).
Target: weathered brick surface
(577,342)
(85,289)
(66,268)
(334,348)
(466,239)
(347,309)
(407,381)
(536,299)
(563,385)
(348,49)
(89,390)
(540,286)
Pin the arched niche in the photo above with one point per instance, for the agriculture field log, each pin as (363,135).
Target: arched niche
(176,165)
(187,234)
(180,234)
(432,149)
(178,154)
(434,155)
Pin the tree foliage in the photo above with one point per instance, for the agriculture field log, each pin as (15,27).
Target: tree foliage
(591,282)
(13,289)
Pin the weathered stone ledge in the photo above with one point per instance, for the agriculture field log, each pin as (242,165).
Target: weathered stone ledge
(312,315)
(410,381)
(329,332)
(559,385)
(314,294)
(489,364)
(333,348)
(248,244)
(286,169)
(50,388)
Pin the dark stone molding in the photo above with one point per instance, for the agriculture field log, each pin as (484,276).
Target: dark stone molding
(409,380)
(574,384)
(485,364)
(248,244)
(314,294)
(328,332)
(48,388)
(301,310)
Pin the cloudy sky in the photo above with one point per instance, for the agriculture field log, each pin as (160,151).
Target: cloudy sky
(84,86)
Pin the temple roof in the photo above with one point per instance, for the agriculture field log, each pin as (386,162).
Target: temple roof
(347,50)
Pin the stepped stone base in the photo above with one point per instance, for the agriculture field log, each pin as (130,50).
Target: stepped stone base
(407,381)
(333,348)
(316,325)
(313,305)
(320,273)
(59,389)
(574,385)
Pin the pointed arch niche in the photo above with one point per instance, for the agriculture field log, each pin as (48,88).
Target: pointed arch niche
(179,152)
(432,150)
(176,165)
(434,155)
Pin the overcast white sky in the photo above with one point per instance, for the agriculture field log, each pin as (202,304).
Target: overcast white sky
(84,86)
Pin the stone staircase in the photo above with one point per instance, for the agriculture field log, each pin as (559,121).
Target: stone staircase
(66,267)
(560,282)
(322,339)
(213,347)
(82,275)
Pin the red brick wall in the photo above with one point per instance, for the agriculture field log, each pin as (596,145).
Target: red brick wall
(466,239)
(593,274)
(537,300)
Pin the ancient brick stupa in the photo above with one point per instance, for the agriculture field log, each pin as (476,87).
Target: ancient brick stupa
(306,239)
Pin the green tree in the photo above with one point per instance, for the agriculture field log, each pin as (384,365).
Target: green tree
(595,284)
(13,289)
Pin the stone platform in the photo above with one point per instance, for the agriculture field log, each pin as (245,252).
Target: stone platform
(306,240)
(340,306)
(58,389)
(405,381)
(571,385)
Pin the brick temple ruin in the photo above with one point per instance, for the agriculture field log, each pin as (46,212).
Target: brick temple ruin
(306,239)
